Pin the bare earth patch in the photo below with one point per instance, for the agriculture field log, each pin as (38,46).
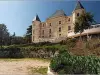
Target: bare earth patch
(20,66)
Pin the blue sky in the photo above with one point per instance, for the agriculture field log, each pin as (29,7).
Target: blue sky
(18,15)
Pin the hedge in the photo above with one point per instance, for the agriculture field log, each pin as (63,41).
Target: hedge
(30,51)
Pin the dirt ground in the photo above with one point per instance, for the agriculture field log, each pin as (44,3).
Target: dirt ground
(19,66)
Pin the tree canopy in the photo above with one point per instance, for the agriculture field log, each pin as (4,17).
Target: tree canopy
(28,35)
(84,21)
(4,35)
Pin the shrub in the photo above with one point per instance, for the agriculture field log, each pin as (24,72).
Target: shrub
(45,51)
(11,52)
(70,42)
(69,64)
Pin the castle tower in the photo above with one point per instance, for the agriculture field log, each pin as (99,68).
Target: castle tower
(79,9)
(36,29)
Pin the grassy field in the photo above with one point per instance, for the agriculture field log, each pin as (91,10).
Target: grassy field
(38,70)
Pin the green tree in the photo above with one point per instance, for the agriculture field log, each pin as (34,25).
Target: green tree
(13,38)
(84,21)
(28,35)
(4,35)
(17,39)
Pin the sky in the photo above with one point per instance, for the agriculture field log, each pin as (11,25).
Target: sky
(17,15)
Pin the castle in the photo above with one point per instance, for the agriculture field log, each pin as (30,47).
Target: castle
(59,26)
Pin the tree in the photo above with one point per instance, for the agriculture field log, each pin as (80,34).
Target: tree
(14,34)
(16,39)
(84,21)
(28,35)
(4,35)
(13,39)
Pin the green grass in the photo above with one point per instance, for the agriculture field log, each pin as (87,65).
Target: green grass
(38,70)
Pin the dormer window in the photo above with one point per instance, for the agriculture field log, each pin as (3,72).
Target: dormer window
(78,14)
(59,22)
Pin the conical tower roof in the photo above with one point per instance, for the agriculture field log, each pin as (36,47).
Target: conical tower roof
(79,6)
(36,18)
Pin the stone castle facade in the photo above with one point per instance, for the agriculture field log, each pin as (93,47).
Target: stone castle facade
(56,27)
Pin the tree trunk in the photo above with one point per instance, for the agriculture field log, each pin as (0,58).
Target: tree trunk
(80,37)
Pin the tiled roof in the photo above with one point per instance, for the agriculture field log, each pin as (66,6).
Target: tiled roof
(36,18)
(58,13)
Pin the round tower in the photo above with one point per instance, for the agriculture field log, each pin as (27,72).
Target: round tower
(79,9)
(36,29)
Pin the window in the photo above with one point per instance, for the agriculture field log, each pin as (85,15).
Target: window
(59,34)
(69,27)
(43,32)
(33,38)
(49,35)
(33,31)
(59,29)
(49,30)
(69,19)
(43,25)
(50,24)
(78,14)
(59,22)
